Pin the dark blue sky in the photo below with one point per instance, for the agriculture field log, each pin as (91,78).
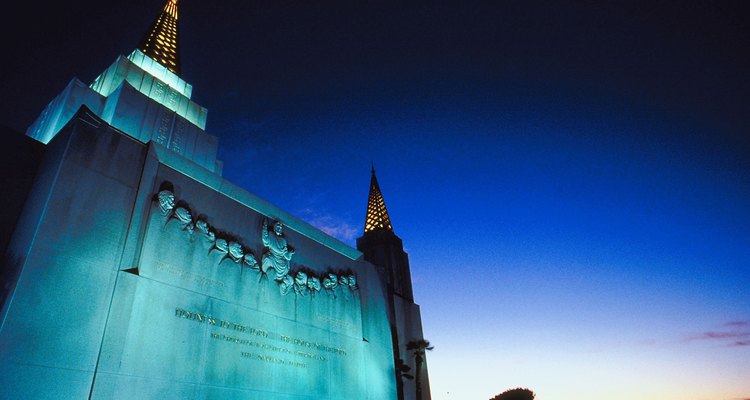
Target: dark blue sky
(571,179)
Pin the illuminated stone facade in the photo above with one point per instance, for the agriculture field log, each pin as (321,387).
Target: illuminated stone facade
(137,271)
(116,298)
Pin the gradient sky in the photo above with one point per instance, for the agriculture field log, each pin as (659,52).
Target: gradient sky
(571,180)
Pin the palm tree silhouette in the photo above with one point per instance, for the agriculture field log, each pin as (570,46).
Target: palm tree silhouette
(419,346)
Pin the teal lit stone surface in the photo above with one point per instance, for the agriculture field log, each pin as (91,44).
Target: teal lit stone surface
(116,300)
(143,100)
(154,81)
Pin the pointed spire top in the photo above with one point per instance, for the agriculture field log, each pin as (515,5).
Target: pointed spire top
(160,43)
(377,215)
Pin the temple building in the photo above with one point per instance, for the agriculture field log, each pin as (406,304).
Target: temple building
(132,269)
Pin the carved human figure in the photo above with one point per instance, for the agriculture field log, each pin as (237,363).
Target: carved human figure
(221,246)
(202,226)
(166,202)
(286,284)
(330,282)
(279,254)
(352,282)
(300,283)
(249,260)
(235,251)
(313,283)
(183,215)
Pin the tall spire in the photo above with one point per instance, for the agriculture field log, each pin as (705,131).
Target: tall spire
(377,215)
(160,43)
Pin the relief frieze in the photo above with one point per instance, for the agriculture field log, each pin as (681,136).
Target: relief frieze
(275,261)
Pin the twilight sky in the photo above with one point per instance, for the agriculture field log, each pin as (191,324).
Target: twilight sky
(570,179)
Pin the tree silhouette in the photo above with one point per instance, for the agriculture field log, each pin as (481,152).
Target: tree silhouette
(419,347)
(515,394)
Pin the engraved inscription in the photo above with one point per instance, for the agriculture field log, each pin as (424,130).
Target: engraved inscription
(269,359)
(165,125)
(282,352)
(178,136)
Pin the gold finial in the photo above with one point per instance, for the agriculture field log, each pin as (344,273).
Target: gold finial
(377,215)
(160,43)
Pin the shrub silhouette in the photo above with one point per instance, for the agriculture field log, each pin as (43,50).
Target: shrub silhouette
(515,394)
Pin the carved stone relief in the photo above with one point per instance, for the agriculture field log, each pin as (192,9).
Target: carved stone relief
(276,258)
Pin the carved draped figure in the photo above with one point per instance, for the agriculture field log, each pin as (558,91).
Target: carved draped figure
(278,255)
